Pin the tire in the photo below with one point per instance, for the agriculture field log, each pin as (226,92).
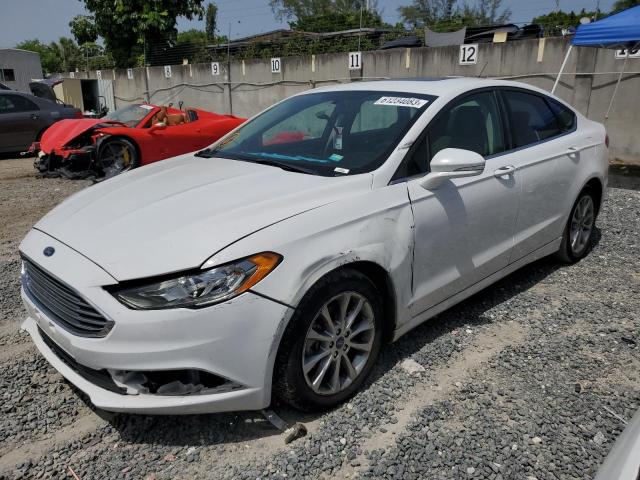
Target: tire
(577,238)
(299,344)
(116,156)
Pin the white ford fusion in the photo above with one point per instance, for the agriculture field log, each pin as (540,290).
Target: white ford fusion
(278,261)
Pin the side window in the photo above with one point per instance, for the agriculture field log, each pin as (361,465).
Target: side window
(16,104)
(532,119)
(308,124)
(565,116)
(8,75)
(472,123)
(6,105)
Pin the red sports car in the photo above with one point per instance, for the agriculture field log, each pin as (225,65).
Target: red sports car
(126,138)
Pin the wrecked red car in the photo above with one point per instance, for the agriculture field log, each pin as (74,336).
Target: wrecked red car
(126,138)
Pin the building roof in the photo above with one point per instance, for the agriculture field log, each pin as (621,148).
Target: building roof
(18,50)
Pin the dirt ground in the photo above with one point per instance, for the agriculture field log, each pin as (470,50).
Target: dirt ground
(528,379)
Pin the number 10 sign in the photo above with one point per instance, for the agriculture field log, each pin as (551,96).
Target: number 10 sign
(469,54)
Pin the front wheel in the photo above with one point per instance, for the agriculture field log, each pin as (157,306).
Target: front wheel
(578,233)
(331,343)
(116,156)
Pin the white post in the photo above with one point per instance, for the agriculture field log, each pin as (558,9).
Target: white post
(615,90)
(564,62)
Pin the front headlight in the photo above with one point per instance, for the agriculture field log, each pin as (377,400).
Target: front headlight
(201,288)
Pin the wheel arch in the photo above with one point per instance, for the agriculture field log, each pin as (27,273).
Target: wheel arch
(595,184)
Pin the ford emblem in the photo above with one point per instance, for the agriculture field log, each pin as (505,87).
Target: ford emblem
(49,251)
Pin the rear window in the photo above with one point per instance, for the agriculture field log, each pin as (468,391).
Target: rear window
(565,116)
(532,120)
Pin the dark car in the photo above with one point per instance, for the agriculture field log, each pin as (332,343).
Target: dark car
(23,118)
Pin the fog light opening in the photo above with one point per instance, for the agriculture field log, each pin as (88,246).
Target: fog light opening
(171,382)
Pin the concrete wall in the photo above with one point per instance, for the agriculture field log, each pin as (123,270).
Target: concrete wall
(25,65)
(248,86)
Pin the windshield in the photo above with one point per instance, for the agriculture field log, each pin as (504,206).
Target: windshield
(131,115)
(326,133)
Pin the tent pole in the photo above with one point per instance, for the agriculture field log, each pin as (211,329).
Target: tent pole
(564,62)
(615,90)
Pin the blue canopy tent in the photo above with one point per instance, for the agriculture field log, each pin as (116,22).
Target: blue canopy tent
(619,31)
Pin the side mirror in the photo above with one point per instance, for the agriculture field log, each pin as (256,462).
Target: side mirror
(157,126)
(452,163)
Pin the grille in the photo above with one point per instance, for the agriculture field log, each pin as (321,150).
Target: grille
(62,304)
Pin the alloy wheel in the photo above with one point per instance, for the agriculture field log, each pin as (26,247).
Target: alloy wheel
(338,343)
(582,223)
(116,157)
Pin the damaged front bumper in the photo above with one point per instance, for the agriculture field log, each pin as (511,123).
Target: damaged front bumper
(178,361)
(70,163)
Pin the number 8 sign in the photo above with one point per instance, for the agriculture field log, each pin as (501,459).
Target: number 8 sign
(469,54)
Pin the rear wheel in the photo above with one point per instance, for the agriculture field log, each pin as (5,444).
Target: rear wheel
(331,343)
(117,155)
(578,233)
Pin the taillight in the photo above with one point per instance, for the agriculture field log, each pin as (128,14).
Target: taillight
(78,114)
(606,140)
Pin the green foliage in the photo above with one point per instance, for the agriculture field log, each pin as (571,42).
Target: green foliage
(336,21)
(211,21)
(65,55)
(624,4)
(299,9)
(127,25)
(83,29)
(554,22)
(50,59)
(448,15)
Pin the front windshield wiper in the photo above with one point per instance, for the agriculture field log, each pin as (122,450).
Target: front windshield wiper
(283,165)
(212,152)
(206,153)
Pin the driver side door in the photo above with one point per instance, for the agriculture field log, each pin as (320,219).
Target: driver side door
(464,229)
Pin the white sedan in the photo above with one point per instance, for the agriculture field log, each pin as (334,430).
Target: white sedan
(280,259)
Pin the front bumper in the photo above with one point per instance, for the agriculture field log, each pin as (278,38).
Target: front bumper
(235,340)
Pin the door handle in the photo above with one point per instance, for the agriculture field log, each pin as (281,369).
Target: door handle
(504,171)
(573,150)
(34,116)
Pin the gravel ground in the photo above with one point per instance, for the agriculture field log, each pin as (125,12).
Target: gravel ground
(528,379)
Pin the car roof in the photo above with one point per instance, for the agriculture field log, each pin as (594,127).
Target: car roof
(437,86)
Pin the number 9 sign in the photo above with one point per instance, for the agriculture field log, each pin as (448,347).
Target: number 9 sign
(468,54)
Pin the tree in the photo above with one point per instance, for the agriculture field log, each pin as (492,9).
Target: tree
(298,9)
(335,21)
(446,15)
(624,4)
(83,29)
(50,58)
(130,26)
(555,22)
(210,30)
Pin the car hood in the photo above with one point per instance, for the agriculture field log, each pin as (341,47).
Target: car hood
(64,131)
(173,215)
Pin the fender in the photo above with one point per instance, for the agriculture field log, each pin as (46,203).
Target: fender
(375,226)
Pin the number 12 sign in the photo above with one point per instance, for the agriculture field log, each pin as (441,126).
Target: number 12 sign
(469,54)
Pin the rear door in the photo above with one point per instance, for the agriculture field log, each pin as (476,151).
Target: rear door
(540,142)
(463,229)
(20,121)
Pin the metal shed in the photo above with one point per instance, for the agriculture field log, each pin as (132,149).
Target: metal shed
(18,67)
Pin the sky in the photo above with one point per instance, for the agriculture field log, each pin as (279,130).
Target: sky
(48,20)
